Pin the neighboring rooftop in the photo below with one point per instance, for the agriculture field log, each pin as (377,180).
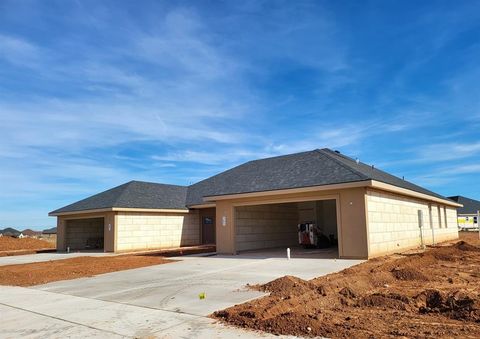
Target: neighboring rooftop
(313,168)
(30,232)
(133,194)
(10,231)
(52,230)
(470,206)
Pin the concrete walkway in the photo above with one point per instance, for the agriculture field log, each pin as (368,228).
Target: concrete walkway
(39,257)
(155,302)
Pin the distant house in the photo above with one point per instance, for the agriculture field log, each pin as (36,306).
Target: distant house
(21,236)
(49,234)
(52,230)
(31,233)
(468,214)
(10,232)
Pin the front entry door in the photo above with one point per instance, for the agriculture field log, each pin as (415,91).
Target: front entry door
(208,230)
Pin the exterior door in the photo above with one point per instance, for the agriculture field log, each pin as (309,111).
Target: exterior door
(208,229)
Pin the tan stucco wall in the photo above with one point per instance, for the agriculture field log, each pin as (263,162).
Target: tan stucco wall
(393,223)
(224,222)
(352,238)
(351,216)
(266,226)
(141,231)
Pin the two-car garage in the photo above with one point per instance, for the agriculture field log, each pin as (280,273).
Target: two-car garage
(276,225)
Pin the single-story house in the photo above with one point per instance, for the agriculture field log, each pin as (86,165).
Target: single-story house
(468,214)
(31,233)
(259,204)
(11,232)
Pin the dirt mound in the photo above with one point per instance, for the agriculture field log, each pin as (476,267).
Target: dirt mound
(14,244)
(392,301)
(347,292)
(456,304)
(73,268)
(287,285)
(430,294)
(465,246)
(408,273)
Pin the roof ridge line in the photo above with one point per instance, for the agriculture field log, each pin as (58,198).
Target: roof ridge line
(123,192)
(360,174)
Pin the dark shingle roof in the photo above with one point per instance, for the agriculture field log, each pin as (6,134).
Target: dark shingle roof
(379,175)
(470,206)
(10,231)
(312,168)
(52,230)
(133,194)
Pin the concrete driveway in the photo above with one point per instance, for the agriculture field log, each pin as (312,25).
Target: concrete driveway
(157,301)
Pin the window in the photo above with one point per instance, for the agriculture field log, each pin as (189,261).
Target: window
(420,218)
(430,219)
(445,215)
(439,217)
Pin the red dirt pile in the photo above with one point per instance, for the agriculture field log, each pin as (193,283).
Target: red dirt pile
(66,269)
(13,244)
(431,294)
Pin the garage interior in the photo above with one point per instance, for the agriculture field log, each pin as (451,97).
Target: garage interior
(85,234)
(271,226)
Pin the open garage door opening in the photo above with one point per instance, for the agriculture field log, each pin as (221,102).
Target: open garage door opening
(308,228)
(85,234)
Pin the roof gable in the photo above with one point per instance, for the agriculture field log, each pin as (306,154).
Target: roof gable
(133,194)
(312,168)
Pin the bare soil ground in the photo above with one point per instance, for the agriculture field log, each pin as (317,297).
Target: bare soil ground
(9,244)
(66,269)
(428,294)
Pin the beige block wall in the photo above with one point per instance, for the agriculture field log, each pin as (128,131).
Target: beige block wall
(266,226)
(393,222)
(141,231)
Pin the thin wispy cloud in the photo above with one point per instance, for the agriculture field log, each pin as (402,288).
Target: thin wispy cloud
(449,151)
(96,93)
(18,51)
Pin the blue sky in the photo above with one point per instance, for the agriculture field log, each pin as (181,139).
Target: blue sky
(96,93)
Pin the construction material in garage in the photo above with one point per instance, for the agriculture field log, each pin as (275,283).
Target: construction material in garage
(420,294)
(309,235)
